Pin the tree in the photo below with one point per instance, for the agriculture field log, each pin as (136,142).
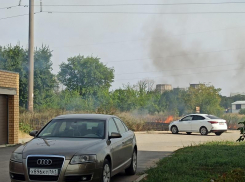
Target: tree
(88,76)
(125,99)
(227,101)
(173,102)
(207,97)
(15,58)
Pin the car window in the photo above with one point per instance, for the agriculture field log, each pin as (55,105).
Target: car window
(187,118)
(212,117)
(112,127)
(120,125)
(125,126)
(74,128)
(196,117)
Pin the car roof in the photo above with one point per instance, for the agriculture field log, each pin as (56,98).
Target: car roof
(85,116)
(198,114)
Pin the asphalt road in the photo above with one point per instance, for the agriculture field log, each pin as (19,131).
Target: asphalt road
(151,146)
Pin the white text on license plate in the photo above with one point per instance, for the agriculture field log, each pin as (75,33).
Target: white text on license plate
(48,172)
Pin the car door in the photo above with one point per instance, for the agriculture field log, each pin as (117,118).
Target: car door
(196,123)
(128,141)
(115,145)
(126,155)
(185,123)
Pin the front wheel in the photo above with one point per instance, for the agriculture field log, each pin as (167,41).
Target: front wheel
(203,130)
(218,133)
(174,130)
(131,170)
(106,174)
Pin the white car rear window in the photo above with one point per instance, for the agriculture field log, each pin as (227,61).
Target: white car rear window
(212,117)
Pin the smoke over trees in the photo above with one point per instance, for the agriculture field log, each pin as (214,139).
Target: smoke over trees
(87,87)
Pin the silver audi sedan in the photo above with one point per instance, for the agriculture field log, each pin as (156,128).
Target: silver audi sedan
(74,148)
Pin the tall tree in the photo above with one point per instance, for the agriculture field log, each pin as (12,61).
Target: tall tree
(87,75)
(15,58)
(207,97)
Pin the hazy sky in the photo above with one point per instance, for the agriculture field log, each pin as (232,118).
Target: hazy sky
(175,49)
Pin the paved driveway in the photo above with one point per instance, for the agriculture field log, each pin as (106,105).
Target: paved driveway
(151,146)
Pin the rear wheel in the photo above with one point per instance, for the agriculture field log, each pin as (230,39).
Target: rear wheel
(203,130)
(106,174)
(131,170)
(218,133)
(188,133)
(174,130)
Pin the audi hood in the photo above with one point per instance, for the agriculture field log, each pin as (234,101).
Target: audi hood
(57,146)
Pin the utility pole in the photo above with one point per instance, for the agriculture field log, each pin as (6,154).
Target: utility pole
(31,56)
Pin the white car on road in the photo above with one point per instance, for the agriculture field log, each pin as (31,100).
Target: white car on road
(201,123)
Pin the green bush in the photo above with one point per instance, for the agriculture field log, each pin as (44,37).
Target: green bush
(25,127)
(242,111)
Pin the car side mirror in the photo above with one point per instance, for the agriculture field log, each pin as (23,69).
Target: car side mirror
(33,133)
(115,135)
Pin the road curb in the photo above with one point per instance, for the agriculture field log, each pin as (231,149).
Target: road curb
(141,177)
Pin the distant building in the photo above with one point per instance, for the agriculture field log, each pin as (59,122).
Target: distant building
(237,93)
(195,85)
(237,106)
(178,89)
(163,87)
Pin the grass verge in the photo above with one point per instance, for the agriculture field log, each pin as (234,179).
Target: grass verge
(213,160)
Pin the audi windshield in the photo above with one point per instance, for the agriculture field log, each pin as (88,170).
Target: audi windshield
(73,128)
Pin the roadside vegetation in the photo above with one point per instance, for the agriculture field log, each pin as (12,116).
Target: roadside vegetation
(83,85)
(213,161)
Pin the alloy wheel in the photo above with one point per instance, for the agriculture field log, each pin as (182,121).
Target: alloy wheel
(174,130)
(134,161)
(106,173)
(203,131)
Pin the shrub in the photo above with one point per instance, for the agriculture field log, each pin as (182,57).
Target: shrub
(25,127)
(242,111)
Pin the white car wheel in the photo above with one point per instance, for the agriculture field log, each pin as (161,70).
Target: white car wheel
(174,130)
(203,131)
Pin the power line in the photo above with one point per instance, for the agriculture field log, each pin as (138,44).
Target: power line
(144,13)
(13,16)
(182,74)
(9,7)
(144,4)
(17,16)
(176,69)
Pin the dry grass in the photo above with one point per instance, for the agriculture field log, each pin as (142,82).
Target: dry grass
(135,121)
(233,120)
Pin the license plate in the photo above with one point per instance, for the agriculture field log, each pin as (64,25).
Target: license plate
(221,123)
(48,172)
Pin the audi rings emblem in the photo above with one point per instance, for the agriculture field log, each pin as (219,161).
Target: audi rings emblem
(44,162)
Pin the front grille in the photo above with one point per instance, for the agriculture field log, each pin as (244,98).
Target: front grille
(56,162)
(32,162)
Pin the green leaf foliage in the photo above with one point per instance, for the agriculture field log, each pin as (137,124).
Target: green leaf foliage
(86,75)
(15,58)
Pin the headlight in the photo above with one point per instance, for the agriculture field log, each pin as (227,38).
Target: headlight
(16,157)
(79,159)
